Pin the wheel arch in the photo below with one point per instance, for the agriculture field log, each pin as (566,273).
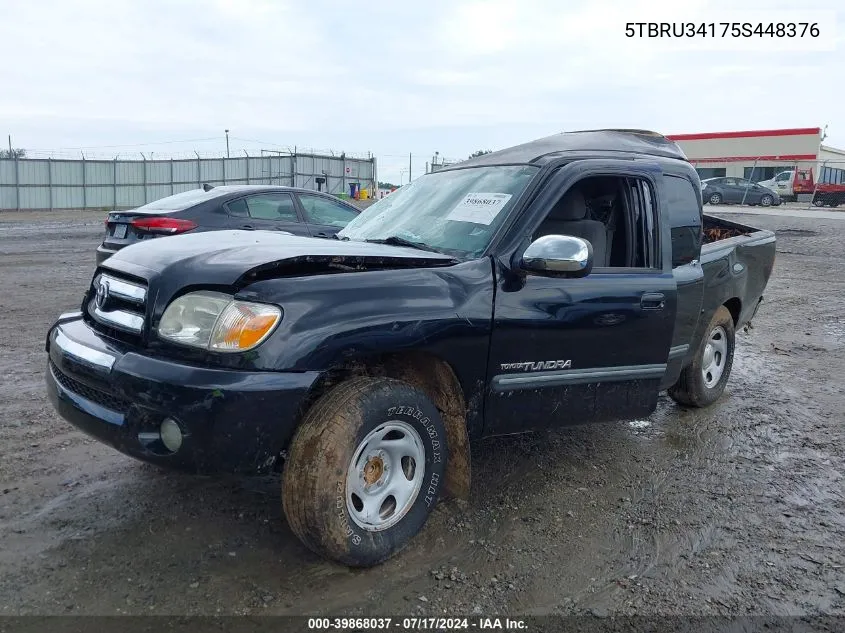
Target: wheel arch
(434,377)
(734,306)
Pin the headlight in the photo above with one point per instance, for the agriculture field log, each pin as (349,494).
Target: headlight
(216,321)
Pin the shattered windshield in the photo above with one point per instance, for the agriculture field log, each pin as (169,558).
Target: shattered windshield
(454,211)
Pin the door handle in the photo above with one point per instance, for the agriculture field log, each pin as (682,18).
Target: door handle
(248,227)
(321,234)
(653,301)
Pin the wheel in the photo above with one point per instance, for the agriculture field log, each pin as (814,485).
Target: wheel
(703,381)
(715,198)
(364,470)
(767,200)
(818,201)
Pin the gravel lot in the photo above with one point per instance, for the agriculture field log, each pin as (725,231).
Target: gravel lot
(737,509)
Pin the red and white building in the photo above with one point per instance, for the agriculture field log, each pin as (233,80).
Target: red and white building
(761,154)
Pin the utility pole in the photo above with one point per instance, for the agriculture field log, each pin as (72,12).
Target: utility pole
(227,143)
(409,166)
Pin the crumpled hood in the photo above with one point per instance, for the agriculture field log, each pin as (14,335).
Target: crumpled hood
(227,257)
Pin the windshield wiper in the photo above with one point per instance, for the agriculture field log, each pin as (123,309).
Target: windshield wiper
(395,240)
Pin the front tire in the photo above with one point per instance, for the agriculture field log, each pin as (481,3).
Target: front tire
(703,381)
(767,200)
(364,470)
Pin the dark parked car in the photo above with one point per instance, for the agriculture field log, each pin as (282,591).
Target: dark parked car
(245,207)
(737,191)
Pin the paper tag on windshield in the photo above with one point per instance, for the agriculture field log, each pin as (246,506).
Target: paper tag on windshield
(479,208)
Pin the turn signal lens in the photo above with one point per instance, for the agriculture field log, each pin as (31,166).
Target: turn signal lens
(244,325)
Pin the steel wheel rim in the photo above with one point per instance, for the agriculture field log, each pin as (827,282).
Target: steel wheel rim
(715,356)
(715,198)
(385,476)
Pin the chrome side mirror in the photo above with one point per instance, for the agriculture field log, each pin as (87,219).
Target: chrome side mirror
(558,256)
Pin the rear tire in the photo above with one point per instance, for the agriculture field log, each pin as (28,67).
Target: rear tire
(703,381)
(715,198)
(364,470)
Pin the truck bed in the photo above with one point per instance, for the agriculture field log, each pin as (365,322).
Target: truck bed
(737,261)
(716,229)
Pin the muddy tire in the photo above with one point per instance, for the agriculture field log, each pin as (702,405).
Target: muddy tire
(703,381)
(364,470)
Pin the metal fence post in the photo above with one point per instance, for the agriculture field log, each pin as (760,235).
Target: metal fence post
(343,174)
(171,177)
(223,160)
(17,185)
(293,168)
(50,180)
(375,179)
(247,167)
(84,188)
(749,179)
(199,171)
(145,176)
(114,184)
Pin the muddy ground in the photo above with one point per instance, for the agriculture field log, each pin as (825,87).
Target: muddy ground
(736,509)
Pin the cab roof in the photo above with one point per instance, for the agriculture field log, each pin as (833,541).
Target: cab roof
(543,150)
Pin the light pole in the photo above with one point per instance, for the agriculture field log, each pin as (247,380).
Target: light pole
(227,143)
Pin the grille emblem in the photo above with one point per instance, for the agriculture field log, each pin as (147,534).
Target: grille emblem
(102,293)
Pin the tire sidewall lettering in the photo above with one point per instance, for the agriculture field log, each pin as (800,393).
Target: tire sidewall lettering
(429,492)
(343,514)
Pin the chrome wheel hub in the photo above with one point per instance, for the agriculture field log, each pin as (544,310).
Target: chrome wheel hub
(714,357)
(385,476)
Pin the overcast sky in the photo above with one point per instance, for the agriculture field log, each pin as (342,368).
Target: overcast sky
(396,77)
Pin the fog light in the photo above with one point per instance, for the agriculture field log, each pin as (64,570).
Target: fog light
(171,435)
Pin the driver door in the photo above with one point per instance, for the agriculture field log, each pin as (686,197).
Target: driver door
(567,350)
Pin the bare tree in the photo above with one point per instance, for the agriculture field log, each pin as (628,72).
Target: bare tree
(13,153)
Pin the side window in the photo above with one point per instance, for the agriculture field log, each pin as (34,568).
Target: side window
(684,218)
(642,221)
(615,214)
(271,206)
(320,210)
(782,177)
(237,208)
(730,182)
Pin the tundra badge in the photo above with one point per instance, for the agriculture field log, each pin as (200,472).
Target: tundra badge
(539,365)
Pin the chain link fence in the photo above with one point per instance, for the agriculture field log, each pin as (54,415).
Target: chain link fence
(766,182)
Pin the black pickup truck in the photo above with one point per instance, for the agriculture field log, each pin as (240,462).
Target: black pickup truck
(563,281)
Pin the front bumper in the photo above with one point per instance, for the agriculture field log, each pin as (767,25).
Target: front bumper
(231,421)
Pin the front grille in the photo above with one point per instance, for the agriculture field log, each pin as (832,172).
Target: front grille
(103,398)
(117,306)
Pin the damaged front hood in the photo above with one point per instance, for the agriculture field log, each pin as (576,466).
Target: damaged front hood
(227,257)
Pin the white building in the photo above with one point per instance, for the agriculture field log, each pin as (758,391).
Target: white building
(760,154)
